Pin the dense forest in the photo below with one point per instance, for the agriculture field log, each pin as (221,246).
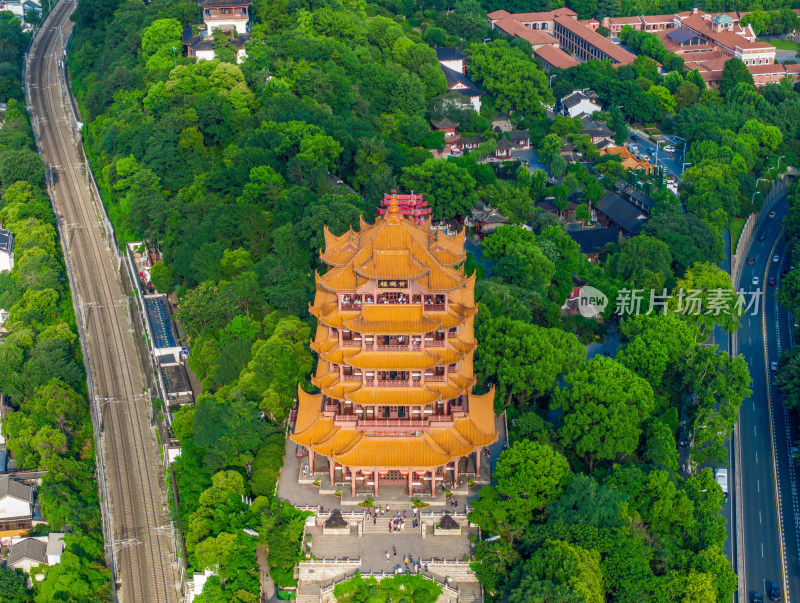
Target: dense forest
(232,171)
(41,371)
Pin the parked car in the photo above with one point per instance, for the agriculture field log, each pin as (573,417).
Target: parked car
(184,353)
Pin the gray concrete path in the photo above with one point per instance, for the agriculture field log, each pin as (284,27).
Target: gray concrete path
(372,548)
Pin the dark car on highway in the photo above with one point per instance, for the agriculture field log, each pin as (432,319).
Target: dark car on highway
(762,236)
(771,280)
(774,592)
(755,597)
(751,261)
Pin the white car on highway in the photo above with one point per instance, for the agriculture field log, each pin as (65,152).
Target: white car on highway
(755,280)
(669,149)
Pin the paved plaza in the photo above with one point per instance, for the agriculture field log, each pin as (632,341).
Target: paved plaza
(372,548)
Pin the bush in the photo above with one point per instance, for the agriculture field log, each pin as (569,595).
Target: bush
(162,278)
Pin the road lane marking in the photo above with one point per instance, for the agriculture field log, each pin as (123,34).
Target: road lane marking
(762,550)
(755,433)
(776,477)
(756,458)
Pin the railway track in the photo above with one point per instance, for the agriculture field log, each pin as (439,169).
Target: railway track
(139,546)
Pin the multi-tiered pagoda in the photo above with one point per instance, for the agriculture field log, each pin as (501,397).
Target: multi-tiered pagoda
(395,343)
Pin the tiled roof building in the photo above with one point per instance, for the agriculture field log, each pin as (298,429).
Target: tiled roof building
(395,342)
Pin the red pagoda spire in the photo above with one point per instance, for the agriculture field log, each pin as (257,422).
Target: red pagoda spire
(410,205)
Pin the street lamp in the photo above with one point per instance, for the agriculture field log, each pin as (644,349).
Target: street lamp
(175,56)
(777,169)
(550,82)
(683,168)
(758,192)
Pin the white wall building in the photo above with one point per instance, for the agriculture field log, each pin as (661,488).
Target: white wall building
(6,250)
(220,17)
(16,499)
(580,102)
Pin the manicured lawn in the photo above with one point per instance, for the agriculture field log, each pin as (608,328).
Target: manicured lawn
(784,44)
(737,225)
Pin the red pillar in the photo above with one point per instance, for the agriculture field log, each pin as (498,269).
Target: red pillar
(433,481)
(478,461)
(410,481)
(353,481)
(455,471)
(311,461)
(331,468)
(375,473)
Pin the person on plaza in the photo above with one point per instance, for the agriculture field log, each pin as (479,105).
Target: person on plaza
(387,556)
(394,550)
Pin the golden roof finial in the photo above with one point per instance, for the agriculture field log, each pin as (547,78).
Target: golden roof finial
(393,214)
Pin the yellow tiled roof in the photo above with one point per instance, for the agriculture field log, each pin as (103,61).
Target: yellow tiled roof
(391,318)
(433,448)
(481,411)
(388,451)
(338,242)
(391,264)
(392,360)
(455,315)
(308,410)
(447,258)
(393,248)
(341,278)
(393,396)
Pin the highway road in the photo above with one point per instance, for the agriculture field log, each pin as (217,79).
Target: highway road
(770,518)
(672,162)
(129,452)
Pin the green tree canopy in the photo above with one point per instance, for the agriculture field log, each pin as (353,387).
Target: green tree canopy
(511,77)
(604,405)
(448,188)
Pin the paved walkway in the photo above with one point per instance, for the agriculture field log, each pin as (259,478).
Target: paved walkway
(372,548)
